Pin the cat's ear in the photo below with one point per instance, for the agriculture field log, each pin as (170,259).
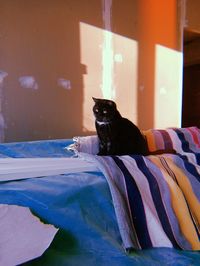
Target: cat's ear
(95,99)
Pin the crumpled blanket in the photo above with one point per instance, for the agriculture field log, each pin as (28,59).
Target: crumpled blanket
(157,198)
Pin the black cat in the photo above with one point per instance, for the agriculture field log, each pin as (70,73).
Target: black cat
(117,135)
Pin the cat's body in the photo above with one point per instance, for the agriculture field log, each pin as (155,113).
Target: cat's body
(117,135)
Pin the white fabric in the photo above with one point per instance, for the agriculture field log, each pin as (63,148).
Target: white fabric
(20,168)
(23,236)
(88,144)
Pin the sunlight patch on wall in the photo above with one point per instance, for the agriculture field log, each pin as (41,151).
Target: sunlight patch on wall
(111,61)
(168,87)
(108,88)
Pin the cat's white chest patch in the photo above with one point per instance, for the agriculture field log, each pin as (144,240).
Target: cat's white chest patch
(102,123)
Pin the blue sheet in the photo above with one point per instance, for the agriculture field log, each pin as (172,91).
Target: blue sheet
(80,205)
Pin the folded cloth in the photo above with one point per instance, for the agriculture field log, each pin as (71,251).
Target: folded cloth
(88,144)
(182,140)
(23,168)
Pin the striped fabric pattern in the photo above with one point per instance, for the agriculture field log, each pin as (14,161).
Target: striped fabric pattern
(156,200)
(182,140)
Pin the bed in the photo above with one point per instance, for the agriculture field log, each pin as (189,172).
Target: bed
(99,220)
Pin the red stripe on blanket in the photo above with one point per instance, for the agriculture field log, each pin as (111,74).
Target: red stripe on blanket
(167,140)
(194,135)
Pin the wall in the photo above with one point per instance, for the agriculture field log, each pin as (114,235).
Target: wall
(192,20)
(191,81)
(40,52)
(160,63)
(192,33)
(56,55)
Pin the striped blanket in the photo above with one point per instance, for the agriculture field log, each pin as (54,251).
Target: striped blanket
(182,140)
(157,198)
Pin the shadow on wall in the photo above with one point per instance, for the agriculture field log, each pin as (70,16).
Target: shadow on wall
(40,52)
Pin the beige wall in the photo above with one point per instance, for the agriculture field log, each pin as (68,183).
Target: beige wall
(52,61)
(160,64)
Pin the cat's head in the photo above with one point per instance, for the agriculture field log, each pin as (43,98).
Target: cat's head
(104,110)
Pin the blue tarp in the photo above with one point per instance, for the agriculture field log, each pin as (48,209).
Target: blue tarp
(80,205)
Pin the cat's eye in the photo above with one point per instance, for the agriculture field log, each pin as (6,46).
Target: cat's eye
(96,110)
(105,111)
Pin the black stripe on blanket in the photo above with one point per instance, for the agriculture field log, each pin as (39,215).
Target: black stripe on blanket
(190,167)
(172,174)
(136,206)
(157,199)
(185,145)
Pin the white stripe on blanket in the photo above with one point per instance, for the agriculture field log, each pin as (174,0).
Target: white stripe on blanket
(23,168)
(155,229)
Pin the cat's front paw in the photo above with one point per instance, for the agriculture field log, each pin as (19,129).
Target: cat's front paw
(102,150)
